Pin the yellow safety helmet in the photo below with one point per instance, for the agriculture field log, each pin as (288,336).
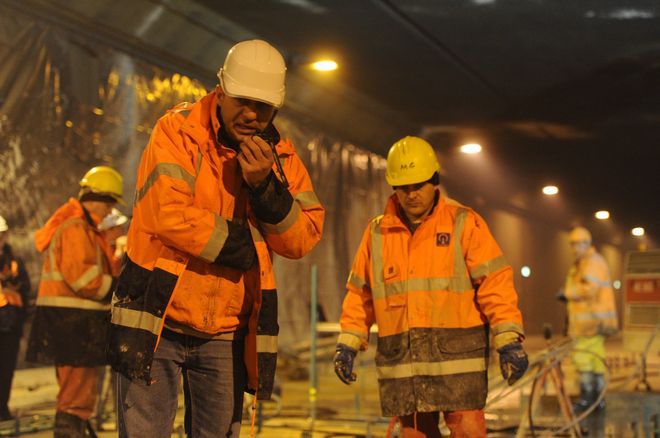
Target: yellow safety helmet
(580,234)
(3,224)
(410,160)
(103,180)
(254,70)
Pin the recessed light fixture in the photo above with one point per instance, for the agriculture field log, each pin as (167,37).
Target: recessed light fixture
(471,148)
(325,65)
(550,190)
(602,214)
(526,271)
(637,231)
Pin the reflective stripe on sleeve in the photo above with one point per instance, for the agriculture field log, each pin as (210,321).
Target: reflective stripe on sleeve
(106,282)
(72,303)
(507,327)
(356,281)
(307,199)
(266,344)
(172,170)
(352,339)
(286,223)
(87,277)
(443,368)
(136,319)
(487,268)
(596,280)
(216,241)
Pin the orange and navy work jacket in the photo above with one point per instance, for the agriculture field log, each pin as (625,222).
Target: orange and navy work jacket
(190,198)
(434,294)
(591,305)
(73,302)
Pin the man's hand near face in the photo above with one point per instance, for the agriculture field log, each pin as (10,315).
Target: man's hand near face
(256,160)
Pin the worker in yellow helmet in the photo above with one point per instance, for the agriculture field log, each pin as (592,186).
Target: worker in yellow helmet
(73,302)
(591,314)
(432,277)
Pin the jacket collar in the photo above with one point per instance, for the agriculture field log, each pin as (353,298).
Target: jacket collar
(393,214)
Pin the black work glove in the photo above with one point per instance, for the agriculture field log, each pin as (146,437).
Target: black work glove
(513,362)
(238,251)
(560,296)
(344,358)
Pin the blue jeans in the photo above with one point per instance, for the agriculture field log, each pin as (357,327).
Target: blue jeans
(214,379)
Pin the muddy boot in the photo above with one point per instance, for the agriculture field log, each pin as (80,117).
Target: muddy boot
(69,426)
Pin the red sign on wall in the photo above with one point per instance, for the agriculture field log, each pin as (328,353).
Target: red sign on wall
(643,290)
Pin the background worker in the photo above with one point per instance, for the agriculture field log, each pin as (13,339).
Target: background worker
(197,294)
(15,290)
(591,315)
(73,303)
(432,277)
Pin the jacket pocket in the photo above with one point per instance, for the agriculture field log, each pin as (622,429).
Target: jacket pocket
(463,341)
(395,295)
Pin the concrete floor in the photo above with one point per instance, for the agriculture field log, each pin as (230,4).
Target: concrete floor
(354,410)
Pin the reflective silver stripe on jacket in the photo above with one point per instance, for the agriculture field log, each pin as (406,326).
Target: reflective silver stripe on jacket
(459,282)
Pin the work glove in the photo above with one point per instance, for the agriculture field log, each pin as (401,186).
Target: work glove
(513,361)
(344,358)
(560,296)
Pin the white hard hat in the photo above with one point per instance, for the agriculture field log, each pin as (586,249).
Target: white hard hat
(254,70)
(114,219)
(3,225)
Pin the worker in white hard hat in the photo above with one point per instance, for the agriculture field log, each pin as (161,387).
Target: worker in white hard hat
(591,315)
(218,191)
(15,293)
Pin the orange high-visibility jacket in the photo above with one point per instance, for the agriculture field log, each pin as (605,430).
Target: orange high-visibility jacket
(434,295)
(189,189)
(591,306)
(73,304)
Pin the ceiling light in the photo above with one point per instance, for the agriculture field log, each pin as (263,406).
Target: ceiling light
(637,231)
(616,284)
(602,214)
(471,148)
(550,190)
(325,65)
(525,271)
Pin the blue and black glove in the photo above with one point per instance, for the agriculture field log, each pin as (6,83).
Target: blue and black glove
(343,360)
(513,361)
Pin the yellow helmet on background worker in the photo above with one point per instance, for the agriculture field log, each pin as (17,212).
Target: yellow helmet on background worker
(580,234)
(3,224)
(411,160)
(104,181)
(254,70)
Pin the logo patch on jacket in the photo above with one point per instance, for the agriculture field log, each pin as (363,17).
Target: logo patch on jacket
(442,239)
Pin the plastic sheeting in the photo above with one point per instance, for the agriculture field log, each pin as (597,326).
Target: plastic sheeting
(67,104)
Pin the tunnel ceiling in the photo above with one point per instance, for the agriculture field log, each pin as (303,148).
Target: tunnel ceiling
(556,91)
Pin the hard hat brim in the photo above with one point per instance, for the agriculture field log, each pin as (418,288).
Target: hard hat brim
(233,89)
